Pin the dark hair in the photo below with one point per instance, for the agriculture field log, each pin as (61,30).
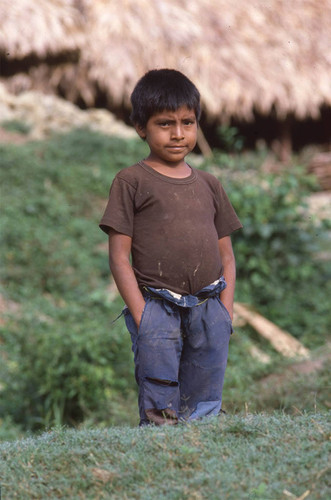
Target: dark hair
(162,89)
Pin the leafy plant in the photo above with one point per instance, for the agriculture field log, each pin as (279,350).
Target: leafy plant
(230,139)
(277,250)
(16,126)
(64,362)
(64,366)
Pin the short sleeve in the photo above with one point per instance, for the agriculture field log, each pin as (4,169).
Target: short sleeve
(119,212)
(226,219)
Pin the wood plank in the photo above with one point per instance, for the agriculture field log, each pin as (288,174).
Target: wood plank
(281,340)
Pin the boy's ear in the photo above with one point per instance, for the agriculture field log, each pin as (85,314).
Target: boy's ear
(141,131)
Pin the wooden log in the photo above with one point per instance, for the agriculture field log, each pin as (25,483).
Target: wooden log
(282,341)
(203,144)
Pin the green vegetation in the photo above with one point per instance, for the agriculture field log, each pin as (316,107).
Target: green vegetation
(16,126)
(277,251)
(251,457)
(63,361)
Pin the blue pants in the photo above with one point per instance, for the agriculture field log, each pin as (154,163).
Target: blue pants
(180,354)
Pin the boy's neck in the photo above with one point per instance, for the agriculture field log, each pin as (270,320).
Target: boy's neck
(177,170)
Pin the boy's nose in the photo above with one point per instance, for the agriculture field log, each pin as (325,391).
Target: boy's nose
(177,132)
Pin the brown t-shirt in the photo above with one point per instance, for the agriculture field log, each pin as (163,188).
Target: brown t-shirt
(175,225)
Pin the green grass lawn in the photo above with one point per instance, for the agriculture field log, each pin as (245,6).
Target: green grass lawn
(233,457)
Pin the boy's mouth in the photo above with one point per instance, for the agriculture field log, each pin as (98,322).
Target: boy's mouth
(176,148)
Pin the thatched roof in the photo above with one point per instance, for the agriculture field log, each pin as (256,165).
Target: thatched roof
(242,55)
(269,56)
(39,27)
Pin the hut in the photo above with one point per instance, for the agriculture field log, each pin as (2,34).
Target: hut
(39,27)
(40,40)
(244,56)
(251,61)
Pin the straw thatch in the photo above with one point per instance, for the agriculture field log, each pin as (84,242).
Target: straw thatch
(242,55)
(258,56)
(40,27)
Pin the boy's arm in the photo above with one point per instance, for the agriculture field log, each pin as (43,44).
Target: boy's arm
(229,265)
(120,266)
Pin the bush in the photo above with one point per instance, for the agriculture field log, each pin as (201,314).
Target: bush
(64,366)
(16,126)
(278,269)
(52,203)
(63,361)
(229,138)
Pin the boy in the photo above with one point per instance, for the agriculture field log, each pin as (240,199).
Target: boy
(174,221)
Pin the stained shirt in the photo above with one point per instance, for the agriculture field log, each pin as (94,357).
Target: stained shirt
(175,225)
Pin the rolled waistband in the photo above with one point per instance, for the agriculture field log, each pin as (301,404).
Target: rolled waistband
(201,296)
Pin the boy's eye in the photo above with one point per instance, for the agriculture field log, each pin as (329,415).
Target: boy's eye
(167,123)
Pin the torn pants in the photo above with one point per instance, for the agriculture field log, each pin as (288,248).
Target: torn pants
(180,352)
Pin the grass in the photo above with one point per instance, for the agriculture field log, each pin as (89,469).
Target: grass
(282,384)
(239,457)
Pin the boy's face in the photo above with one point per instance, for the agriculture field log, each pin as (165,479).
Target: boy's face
(170,135)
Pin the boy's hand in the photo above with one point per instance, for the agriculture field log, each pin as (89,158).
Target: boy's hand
(229,272)
(138,317)
(228,306)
